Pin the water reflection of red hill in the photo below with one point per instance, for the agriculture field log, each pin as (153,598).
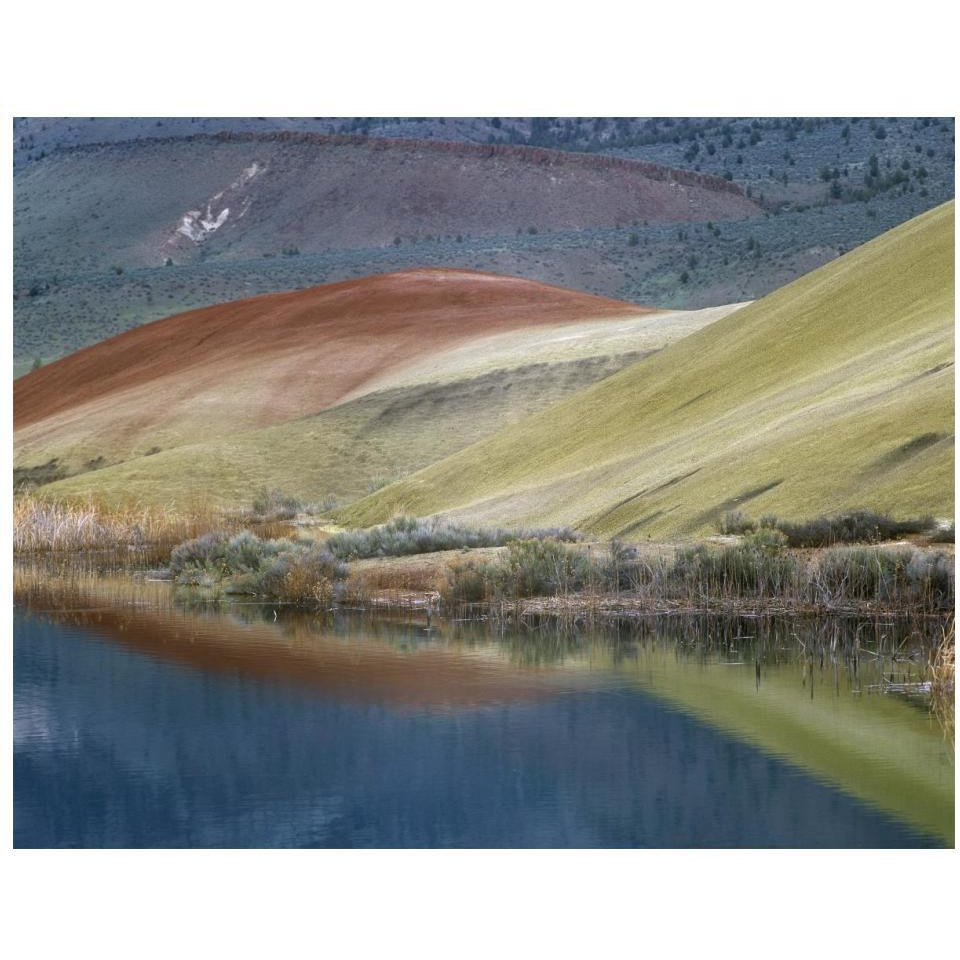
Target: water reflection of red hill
(358,667)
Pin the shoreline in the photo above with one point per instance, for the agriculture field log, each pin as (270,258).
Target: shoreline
(410,583)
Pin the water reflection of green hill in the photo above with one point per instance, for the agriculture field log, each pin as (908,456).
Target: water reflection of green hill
(877,747)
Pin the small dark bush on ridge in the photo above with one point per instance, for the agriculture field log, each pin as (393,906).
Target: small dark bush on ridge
(860,526)
(404,536)
(735,522)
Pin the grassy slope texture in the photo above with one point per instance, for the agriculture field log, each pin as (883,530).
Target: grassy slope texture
(835,391)
(322,392)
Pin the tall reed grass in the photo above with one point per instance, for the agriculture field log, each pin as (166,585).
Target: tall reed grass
(943,682)
(42,526)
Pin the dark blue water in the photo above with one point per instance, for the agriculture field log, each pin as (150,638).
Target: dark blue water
(118,748)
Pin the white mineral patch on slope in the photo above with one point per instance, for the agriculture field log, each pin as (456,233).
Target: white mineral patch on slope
(197,225)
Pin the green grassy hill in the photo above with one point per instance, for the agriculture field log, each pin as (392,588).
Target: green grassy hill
(835,391)
(346,451)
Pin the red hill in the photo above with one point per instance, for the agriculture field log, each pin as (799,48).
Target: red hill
(261,361)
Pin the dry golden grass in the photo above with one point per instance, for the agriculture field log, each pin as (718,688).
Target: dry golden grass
(41,526)
(400,581)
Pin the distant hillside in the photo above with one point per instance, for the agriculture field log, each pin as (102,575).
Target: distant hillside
(139,203)
(836,391)
(91,236)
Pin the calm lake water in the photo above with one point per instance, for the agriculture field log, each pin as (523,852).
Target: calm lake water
(141,720)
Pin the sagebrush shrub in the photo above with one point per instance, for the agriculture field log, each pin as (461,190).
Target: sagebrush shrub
(404,536)
(273,504)
(283,569)
(534,567)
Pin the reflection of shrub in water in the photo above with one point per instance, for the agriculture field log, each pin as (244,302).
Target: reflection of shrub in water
(943,683)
